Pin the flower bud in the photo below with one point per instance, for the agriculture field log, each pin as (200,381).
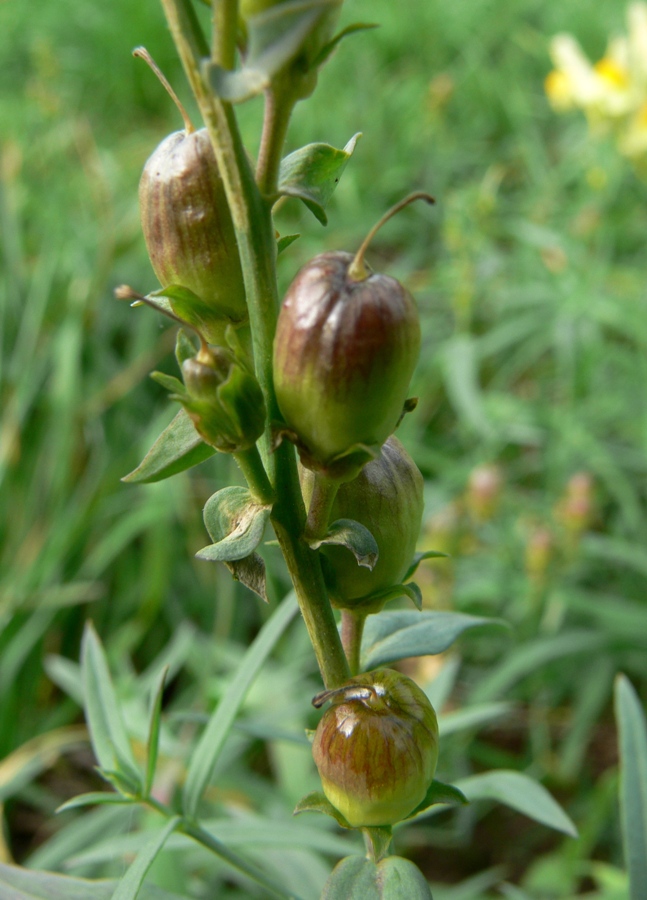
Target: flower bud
(387,498)
(344,353)
(223,399)
(189,232)
(376,747)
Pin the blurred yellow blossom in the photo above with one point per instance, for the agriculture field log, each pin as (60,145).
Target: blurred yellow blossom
(611,92)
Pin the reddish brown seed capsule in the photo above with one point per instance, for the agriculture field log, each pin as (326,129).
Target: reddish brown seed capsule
(189,231)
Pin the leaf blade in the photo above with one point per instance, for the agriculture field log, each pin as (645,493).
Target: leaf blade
(178,448)
(129,885)
(632,735)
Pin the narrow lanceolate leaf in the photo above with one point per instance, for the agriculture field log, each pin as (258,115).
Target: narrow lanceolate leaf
(632,733)
(235,523)
(209,748)
(355,537)
(418,558)
(179,447)
(274,38)
(94,798)
(285,241)
(107,730)
(26,884)
(329,49)
(519,792)
(130,885)
(154,733)
(396,635)
(312,174)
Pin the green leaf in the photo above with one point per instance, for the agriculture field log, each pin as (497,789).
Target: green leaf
(107,731)
(519,792)
(130,884)
(418,558)
(632,735)
(94,798)
(179,447)
(437,794)
(184,347)
(250,571)
(329,48)
(152,745)
(285,241)
(206,754)
(355,537)
(170,382)
(472,717)
(28,884)
(274,38)
(393,878)
(396,635)
(235,523)
(312,174)
(316,801)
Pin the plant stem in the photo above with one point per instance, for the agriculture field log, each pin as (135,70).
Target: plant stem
(352,629)
(202,836)
(252,217)
(278,111)
(253,469)
(323,496)
(225,31)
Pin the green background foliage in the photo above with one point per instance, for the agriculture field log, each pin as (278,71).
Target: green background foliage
(529,275)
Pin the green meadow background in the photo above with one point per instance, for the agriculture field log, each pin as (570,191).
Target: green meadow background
(530,278)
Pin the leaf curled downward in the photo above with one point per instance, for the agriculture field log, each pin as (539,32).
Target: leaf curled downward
(355,537)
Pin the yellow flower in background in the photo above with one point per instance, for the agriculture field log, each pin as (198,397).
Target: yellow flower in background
(611,92)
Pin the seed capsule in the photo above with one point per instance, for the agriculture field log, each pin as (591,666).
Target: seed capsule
(189,232)
(223,399)
(376,747)
(387,498)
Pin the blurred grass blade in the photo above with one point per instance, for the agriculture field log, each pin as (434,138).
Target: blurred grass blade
(27,884)
(206,754)
(35,756)
(107,731)
(129,886)
(519,792)
(632,735)
(94,798)
(154,733)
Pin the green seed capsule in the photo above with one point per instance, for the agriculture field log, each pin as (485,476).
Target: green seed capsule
(376,747)
(189,232)
(387,498)
(223,399)
(344,353)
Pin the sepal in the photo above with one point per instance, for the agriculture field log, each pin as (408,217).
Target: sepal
(235,524)
(355,537)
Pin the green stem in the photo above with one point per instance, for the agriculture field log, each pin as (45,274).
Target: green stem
(323,496)
(225,33)
(253,469)
(202,836)
(252,218)
(352,629)
(278,111)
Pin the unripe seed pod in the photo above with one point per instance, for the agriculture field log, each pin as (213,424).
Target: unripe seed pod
(224,401)
(376,747)
(189,232)
(387,498)
(344,353)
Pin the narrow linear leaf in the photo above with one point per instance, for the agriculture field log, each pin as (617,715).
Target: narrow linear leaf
(95,798)
(170,382)
(107,731)
(179,447)
(129,886)
(152,746)
(26,762)
(396,635)
(27,884)
(285,241)
(209,748)
(632,734)
(312,173)
(519,792)
(355,537)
